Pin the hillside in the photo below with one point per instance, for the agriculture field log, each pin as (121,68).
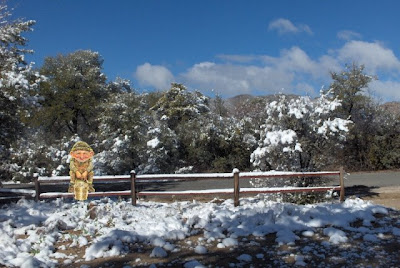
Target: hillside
(392,107)
(246,102)
(249,105)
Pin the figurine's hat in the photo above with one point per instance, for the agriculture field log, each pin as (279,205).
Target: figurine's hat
(81,145)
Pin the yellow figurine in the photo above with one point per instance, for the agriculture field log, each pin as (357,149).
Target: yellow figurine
(81,170)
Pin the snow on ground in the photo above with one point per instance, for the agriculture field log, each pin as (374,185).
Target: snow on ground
(37,234)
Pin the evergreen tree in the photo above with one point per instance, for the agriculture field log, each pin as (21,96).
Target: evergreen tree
(384,150)
(218,144)
(162,153)
(370,129)
(178,114)
(178,105)
(350,86)
(72,94)
(218,107)
(122,136)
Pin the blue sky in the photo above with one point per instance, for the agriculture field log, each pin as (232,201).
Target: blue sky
(224,47)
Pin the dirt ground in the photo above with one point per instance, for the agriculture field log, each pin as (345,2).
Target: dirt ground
(273,255)
(385,196)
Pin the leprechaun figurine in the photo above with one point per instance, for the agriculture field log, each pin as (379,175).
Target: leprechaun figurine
(81,170)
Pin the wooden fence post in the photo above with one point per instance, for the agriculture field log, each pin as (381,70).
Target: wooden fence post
(133,187)
(236,188)
(341,184)
(37,187)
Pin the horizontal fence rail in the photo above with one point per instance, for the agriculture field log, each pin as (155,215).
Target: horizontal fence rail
(236,176)
(39,181)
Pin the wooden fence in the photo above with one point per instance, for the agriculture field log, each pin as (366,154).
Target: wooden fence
(235,177)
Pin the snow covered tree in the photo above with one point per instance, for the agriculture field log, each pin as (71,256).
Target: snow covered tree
(298,134)
(215,144)
(178,105)
(191,136)
(122,136)
(17,82)
(218,106)
(35,156)
(176,113)
(120,85)
(72,94)
(118,143)
(68,106)
(162,153)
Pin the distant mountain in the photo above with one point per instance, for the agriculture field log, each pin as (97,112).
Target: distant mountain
(249,104)
(246,105)
(232,103)
(239,99)
(392,107)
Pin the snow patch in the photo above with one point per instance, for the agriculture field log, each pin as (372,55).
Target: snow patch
(119,224)
(158,253)
(336,236)
(245,258)
(200,249)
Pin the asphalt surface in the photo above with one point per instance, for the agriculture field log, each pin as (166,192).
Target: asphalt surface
(368,179)
(373,179)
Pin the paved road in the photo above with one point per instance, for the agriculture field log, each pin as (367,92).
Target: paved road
(376,179)
(369,179)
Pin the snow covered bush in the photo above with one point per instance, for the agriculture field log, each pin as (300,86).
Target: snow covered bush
(178,105)
(220,144)
(36,156)
(299,134)
(177,115)
(162,155)
(122,135)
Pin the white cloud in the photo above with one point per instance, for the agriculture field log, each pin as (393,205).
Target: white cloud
(238,58)
(230,80)
(285,26)
(388,90)
(348,35)
(297,60)
(374,56)
(156,76)
(271,75)
(329,63)
(293,71)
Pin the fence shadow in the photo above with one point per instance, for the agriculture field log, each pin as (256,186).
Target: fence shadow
(361,191)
